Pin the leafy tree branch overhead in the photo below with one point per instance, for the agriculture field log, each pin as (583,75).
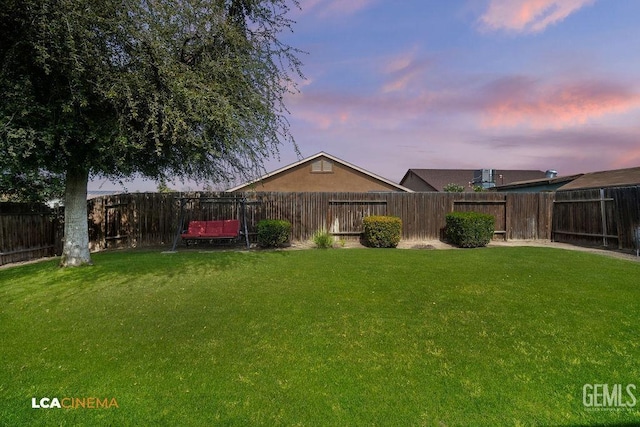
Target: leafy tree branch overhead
(191,88)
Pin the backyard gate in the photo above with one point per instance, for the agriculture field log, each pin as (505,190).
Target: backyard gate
(116,224)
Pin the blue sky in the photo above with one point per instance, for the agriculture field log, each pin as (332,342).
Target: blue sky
(505,84)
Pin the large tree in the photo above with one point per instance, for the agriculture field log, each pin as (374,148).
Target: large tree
(158,88)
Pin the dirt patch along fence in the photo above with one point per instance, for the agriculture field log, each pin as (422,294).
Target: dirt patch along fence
(29,231)
(608,217)
(151,219)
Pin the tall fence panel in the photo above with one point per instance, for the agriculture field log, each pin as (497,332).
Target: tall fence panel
(605,217)
(529,216)
(28,231)
(133,220)
(627,214)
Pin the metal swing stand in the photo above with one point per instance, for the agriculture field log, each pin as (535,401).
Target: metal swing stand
(237,200)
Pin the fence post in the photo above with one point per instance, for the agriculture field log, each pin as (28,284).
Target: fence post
(603,215)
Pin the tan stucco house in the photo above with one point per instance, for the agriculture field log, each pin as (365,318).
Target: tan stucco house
(321,172)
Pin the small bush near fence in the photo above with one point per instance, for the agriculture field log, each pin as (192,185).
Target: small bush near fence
(382,231)
(273,233)
(470,229)
(323,239)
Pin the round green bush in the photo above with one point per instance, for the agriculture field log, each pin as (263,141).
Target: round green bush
(273,233)
(382,231)
(470,229)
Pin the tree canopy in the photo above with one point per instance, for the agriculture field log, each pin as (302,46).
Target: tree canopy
(30,186)
(159,88)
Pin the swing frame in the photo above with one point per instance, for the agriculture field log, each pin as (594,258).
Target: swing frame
(238,201)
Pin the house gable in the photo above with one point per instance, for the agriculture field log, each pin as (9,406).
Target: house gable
(320,173)
(416,183)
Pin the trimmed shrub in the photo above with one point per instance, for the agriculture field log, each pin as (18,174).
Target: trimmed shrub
(273,233)
(382,231)
(323,239)
(470,229)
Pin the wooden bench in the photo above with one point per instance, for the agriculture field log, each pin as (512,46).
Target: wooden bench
(212,230)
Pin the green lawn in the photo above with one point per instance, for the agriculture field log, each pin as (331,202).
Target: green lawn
(495,336)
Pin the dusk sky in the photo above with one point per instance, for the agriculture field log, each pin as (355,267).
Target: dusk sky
(505,84)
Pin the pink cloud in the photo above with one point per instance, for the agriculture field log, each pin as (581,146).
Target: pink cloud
(506,103)
(325,110)
(444,129)
(519,101)
(528,16)
(404,72)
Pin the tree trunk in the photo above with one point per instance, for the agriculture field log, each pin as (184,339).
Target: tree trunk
(75,251)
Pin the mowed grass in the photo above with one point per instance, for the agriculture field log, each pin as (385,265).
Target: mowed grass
(495,336)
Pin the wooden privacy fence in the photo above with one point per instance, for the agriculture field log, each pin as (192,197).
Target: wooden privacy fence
(518,216)
(149,219)
(132,220)
(608,217)
(28,231)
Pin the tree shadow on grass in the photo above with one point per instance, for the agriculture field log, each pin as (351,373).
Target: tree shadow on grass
(121,267)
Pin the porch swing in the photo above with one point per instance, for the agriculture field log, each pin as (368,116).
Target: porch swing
(229,230)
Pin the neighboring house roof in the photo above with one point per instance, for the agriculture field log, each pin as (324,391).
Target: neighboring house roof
(556,181)
(437,179)
(321,154)
(612,178)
